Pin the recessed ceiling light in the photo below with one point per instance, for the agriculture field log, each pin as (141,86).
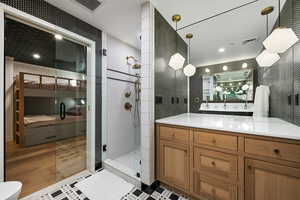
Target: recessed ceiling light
(245,65)
(221,50)
(36,56)
(207,70)
(225,68)
(58,37)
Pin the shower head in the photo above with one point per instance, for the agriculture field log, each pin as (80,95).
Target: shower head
(136,66)
(133,62)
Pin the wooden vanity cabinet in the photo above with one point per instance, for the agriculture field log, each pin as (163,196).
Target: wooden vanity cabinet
(218,165)
(269,181)
(174,164)
(173,157)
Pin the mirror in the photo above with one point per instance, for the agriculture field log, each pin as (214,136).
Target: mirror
(228,86)
(226,33)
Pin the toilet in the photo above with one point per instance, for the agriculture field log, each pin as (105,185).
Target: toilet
(10,190)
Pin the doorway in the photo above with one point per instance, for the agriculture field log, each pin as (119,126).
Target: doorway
(48,113)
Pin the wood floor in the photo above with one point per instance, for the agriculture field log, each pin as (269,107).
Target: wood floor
(42,165)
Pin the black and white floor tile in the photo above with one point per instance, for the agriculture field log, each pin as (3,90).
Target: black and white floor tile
(70,192)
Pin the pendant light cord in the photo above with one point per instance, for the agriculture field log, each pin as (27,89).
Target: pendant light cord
(176,70)
(267,25)
(279,15)
(189,51)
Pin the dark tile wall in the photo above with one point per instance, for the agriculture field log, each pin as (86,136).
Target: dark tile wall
(284,77)
(168,83)
(51,14)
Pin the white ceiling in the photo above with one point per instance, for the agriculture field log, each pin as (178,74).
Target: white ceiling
(227,31)
(119,18)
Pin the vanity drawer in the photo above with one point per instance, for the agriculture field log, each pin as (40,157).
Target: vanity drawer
(210,188)
(217,140)
(217,163)
(174,134)
(284,151)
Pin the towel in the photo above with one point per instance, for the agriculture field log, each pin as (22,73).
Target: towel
(261,101)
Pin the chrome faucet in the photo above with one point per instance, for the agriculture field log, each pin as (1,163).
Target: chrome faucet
(225,102)
(246,103)
(207,106)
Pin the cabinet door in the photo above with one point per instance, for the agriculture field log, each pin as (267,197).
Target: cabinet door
(267,181)
(174,165)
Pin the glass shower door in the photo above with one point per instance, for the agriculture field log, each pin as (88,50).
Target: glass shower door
(70,98)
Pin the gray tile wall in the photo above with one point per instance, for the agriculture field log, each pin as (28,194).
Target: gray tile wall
(284,77)
(168,83)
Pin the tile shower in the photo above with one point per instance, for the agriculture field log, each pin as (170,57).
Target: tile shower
(123,124)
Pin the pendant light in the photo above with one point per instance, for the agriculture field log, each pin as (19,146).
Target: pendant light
(282,38)
(266,58)
(190,69)
(176,60)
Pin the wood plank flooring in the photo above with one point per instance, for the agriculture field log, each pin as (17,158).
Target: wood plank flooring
(42,165)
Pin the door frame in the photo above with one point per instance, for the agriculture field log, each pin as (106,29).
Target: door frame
(91,80)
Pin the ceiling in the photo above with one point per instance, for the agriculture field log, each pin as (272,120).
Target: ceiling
(119,18)
(23,41)
(226,31)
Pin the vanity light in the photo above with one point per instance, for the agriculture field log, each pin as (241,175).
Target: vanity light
(36,56)
(230,84)
(281,39)
(225,68)
(245,65)
(177,60)
(190,69)
(221,50)
(207,70)
(267,58)
(58,36)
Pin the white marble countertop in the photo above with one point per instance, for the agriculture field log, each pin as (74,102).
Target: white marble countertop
(262,126)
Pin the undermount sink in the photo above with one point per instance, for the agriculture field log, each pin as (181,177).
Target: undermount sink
(228,108)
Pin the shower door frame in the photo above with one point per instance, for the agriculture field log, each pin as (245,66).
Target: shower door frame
(91,80)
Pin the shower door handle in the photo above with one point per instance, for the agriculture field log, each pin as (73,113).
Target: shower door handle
(62,111)
(290,100)
(297,100)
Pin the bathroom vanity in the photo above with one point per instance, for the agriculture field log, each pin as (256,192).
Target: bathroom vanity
(223,157)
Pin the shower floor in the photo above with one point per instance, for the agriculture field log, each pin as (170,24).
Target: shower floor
(128,163)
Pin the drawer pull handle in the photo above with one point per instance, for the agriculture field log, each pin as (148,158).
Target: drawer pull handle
(213,190)
(276,151)
(249,167)
(213,163)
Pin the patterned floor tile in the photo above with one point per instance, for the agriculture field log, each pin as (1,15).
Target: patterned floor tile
(70,192)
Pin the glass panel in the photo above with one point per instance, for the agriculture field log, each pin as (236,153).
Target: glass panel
(70,94)
(30,137)
(45,107)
